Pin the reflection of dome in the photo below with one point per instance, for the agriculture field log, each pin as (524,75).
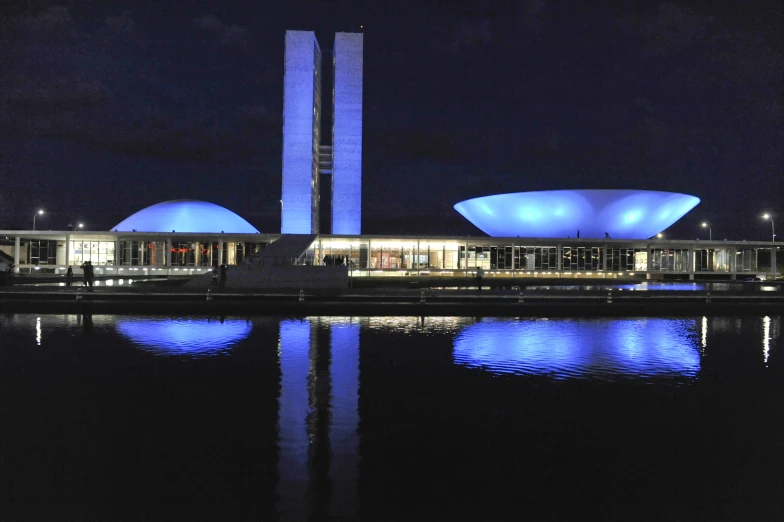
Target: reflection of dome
(192,337)
(624,214)
(565,348)
(186,215)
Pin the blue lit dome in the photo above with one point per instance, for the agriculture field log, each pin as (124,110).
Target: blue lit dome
(624,214)
(186,215)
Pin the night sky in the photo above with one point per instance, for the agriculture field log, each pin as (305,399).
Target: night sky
(109,107)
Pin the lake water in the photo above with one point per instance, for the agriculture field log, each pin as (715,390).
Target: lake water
(114,417)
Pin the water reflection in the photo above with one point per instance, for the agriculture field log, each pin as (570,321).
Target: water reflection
(318,419)
(582,348)
(184,336)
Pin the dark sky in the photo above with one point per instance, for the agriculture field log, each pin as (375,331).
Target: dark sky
(106,108)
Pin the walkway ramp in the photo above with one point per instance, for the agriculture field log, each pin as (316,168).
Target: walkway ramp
(287,250)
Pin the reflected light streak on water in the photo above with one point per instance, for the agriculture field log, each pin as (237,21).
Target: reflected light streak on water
(569,348)
(38,331)
(293,349)
(185,336)
(766,338)
(704,332)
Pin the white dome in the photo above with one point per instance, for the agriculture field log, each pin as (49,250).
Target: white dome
(186,215)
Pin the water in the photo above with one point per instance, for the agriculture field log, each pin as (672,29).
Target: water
(393,418)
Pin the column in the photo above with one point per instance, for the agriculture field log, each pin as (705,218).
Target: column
(773,267)
(733,262)
(17,248)
(559,258)
(220,252)
(417,257)
(68,250)
(513,253)
(649,261)
(604,260)
(690,263)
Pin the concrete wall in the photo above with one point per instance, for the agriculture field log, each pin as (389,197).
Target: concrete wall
(301,119)
(347,135)
(277,276)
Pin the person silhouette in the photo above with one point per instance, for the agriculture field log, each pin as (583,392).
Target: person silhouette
(578,234)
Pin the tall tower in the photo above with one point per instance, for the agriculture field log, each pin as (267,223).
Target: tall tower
(347,134)
(304,154)
(301,134)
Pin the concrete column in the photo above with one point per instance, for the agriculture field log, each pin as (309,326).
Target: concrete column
(417,257)
(68,250)
(17,248)
(559,257)
(513,253)
(220,252)
(649,263)
(773,267)
(733,261)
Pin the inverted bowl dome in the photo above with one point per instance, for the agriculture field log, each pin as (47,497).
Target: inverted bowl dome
(186,215)
(626,214)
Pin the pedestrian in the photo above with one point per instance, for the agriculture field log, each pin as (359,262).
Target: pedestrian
(88,275)
(578,234)
(68,276)
(480,273)
(606,235)
(83,266)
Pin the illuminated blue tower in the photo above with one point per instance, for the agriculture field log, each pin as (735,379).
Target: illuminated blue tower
(301,134)
(347,134)
(302,143)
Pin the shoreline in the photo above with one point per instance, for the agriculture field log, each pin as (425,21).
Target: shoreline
(389,302)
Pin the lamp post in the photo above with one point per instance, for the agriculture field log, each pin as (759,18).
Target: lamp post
(659,236)
(710,232)
(35,216)
(772,226)
(81,225)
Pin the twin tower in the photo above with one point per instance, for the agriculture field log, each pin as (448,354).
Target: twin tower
(307,156)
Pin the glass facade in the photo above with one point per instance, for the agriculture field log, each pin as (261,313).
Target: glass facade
(400,256)
(42,252)
(96,252)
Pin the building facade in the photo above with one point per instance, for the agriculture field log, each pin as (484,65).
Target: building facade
(347,60)
(305,151)
(142,253)
(301,134)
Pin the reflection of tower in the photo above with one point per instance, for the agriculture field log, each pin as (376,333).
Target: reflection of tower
(344,436)
(293,350)
(319,418)
(305,151)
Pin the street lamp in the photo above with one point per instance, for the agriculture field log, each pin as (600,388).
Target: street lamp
(659,236)
(772,226)
(710,232)
(81,225)
(35,216)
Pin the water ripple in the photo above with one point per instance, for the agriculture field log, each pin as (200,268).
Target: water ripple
(582,348)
